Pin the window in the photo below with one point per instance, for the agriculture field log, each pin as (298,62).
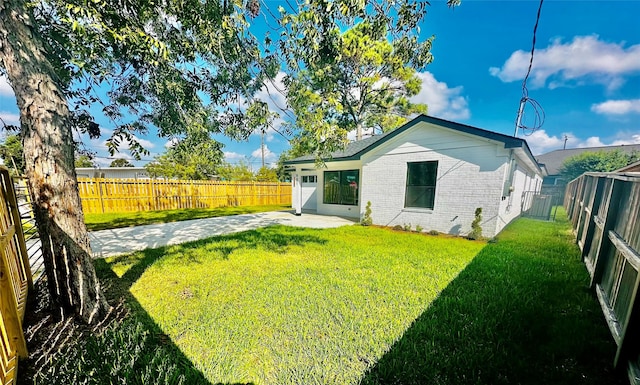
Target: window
(421,184)
(309,179)
(341,187)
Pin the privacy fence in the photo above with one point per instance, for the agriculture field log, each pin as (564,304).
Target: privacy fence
(605,212)
(125,195)
(15,281)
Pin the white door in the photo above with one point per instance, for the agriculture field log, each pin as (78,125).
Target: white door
(309,192)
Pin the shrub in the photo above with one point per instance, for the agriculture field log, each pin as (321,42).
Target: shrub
(419,229)
(434,232)
(398,227)
(476,229)
(366,218)
(407,227)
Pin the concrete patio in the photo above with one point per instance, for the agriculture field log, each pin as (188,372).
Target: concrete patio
(107,243)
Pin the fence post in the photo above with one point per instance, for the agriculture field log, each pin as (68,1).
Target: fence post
(153,195)
(99,188)
(595,207)
(602,248)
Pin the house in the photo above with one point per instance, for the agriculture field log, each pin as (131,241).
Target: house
(112,172)
(430,172)
(554,160)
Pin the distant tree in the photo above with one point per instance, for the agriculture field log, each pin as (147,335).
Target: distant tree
(236,172)
(121,162)
(297,149)
(266,174)
(12,154)
(600,161)
(84,161)
(366,85)
(196,157)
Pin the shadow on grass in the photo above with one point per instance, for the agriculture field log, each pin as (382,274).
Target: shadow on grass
(272,238)
(520,313)
(161,352)
(133,349)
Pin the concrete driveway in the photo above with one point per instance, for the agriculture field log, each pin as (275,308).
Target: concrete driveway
(107,243)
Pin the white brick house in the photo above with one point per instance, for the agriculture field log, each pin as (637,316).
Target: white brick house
(429,172)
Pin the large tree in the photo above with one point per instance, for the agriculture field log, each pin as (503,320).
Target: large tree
(365,84)
(156,59)
(351,65)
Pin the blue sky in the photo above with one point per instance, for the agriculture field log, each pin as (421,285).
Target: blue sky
(586,75)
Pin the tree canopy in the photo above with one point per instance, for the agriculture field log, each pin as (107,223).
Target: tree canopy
(365,85)
(121,162)
(266,174)
(11,152)
(84,161)
(240,171)
(195,157)
(600,161)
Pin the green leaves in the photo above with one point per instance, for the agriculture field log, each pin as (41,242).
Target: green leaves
(363,84)
(601,161)
(196,157)
(174,65)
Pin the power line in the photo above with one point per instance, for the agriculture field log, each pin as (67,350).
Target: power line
(539,115)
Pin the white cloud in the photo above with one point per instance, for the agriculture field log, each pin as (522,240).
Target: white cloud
(171,142)
(540,142)
(274,94)
(584,59)
(5,87)
(269,156)
(9,119)
(125,144)
(230,155)
(442,101)
(617,107)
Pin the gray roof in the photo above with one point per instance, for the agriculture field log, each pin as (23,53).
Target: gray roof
(355,150)
(352,149)
(553,160)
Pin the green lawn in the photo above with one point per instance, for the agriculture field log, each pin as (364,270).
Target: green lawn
(353,305)
(115,220)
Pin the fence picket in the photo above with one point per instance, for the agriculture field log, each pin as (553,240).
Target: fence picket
(610,252)
(15,281)
(128,195)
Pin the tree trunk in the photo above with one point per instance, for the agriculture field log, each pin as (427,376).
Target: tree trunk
(49,153)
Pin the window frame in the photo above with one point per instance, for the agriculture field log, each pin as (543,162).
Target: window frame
(410,187)
(344,189)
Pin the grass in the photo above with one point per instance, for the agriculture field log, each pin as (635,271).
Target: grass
(353,305)
(96,222)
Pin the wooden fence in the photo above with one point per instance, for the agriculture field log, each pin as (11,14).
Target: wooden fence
(15,281)
(125,195)
(605,212)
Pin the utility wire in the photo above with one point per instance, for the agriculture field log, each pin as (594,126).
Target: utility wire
(538,111)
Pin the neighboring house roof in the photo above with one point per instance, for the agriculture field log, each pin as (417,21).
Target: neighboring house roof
(355,150)
(553,160)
